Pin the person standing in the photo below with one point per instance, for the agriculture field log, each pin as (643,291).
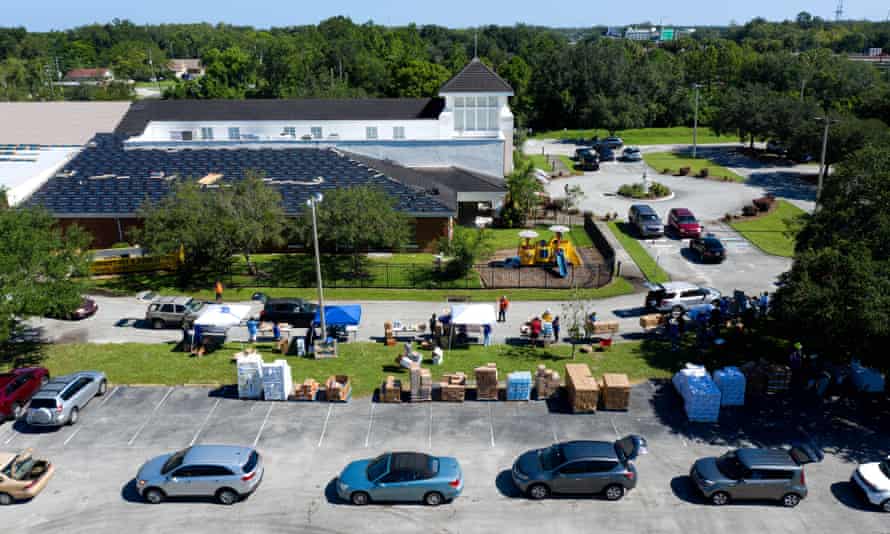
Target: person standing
(252,328)
(219,291)
(556,329)
(486,335)
(535,330)
(433,321)
(764,304)
(503,304)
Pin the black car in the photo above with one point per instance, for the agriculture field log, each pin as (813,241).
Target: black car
(708,248)
(612,143)
(580,152)
(590,161)
(295,312)
(606,153)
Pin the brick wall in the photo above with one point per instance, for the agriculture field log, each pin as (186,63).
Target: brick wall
(105,231)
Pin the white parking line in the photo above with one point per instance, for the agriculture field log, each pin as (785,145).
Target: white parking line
(11,437)
(206,419)
(615,428)
(153,412)
(429,436)
(108,397)
(553,428)
(491,425)
(324,428)
(262,426)
(370,423)
(76,430)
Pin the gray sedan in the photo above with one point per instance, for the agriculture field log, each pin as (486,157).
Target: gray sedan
(60,400)
(580,467)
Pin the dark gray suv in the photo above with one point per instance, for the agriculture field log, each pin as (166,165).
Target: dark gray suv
(756,474)
(645,221)
(580,467)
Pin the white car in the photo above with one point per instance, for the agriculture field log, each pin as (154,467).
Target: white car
(874,481)
(679,296)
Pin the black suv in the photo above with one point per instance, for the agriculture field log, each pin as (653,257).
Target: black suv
(295,312)
(708,248)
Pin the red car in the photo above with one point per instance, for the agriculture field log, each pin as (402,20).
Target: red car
(683,223)
(16,389)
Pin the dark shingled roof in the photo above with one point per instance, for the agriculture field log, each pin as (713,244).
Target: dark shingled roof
(107,180)
(476,78)
(144,111)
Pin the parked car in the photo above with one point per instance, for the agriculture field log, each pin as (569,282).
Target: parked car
(708,248)
(776,147)
(173,311)
(756,474)
(632,153)
(16,389)
(683,223)
(873,480)
(612,142)
(580,467)
(60,400)
(22,476)
(590,161)
(401,477)
(87,308)
(645,221)
(606,153)
(225,472)
(581,151)
(295,312)
(679,296)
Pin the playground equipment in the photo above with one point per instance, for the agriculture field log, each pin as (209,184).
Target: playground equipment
(559,250)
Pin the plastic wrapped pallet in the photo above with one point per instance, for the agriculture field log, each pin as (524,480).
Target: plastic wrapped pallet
(338,388)
(546,382)
(701,397)
(249,366)
(421,385)
(731,383)
(582,388)
(307,391)
(277,382)
(487,382)
(454,387)
(616,391)
(865,379)
(519,386)
(391,390)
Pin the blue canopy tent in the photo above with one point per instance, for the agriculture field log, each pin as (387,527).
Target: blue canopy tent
(341,315)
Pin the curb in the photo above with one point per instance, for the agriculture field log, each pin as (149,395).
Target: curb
(627,266)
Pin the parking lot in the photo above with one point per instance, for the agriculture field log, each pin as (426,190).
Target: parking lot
(306,444)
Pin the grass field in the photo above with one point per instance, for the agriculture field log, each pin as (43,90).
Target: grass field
(670,160)
(367,364)
(165,84)
(508,238)
(644,136)
(644,261)
(772,233)
(541,161)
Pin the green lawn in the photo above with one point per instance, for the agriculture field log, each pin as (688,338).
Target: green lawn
(673,161)
(366,363)
(772,233)
(644,136)
(508,238)
(541,161)
(165,84)
(644,261)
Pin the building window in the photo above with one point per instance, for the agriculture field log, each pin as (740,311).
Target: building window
(398,132)
(290,131)
(207,133)
(316,132)
(371,132)
(476,113)
(234,134)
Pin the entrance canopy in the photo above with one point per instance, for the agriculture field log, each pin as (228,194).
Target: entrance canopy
(342,315)
(473,314)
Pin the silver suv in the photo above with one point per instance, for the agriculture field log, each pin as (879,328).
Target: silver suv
(224,472)
(643,219)
(60,400)
(678,296)
(173,311)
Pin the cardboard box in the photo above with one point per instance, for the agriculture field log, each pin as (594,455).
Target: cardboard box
(605,327)
(421,385)
(338,388)
(487,382)
(547,382)
(616,391)
(582,388)
(307,391)
(391,391)
(648,322)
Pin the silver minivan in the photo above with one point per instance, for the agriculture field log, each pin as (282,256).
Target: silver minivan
(643,219)
(60,400)
(224,472)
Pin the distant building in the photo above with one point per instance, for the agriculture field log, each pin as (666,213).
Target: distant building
(641,34)
(655,34)
(89,76)
(186,69)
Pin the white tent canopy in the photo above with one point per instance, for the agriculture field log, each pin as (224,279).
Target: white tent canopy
(223,315)
(473,314)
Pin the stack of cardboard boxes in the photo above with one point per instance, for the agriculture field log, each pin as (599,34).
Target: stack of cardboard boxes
(487,382)
(388,338)
(453,387)
(648,322)
(338,388)
(421,385)
(307,391)
(391,390)
(546,382)
(582,388)
(605,327)
(616,391)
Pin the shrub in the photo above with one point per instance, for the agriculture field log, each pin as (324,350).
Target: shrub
(656,190)
(684,171)
(703,173)
(120,244)
(764,203)
(749,211)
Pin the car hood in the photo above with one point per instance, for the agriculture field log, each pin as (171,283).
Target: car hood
(152,468)
(355,475)
(707,468)
(873,475)
(690,226)
(530,463)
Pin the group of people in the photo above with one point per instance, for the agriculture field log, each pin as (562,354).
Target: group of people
(544,327)
(709,318)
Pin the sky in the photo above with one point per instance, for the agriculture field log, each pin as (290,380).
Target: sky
(62,14)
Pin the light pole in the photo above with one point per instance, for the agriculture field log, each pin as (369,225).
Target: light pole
(311,202)
(822,167)
(695,124)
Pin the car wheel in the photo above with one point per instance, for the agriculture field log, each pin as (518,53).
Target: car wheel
(75,414)
(157,324)
(360,498)
(614,492)
(153,496)
(6,499)
(885,506)
(433,498)
(790,500)
(538,492)
(16,411)
(103,387)
(720,498)
(226,496)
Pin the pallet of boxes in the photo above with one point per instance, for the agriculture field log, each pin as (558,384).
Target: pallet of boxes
(546,383)
(582,388)
(421,385)
(453,387)
(487,382)
(391,391)
(615,391)
(307,391)
(338,388)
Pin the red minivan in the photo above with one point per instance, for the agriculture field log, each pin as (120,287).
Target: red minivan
(16,389)
(683,223)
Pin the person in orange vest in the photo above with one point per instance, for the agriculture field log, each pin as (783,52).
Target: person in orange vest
(219,291)
(503,304)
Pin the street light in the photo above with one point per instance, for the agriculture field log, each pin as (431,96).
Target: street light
(311,202)
(695,86)
(822,168)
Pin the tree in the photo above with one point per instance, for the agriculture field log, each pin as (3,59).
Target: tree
(620,113)
(39,264)
(252,216)
(464,249)
(419,78)
(522,193)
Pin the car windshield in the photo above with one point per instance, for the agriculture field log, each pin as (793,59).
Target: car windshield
(377,467)
(713,244)
(686,219)
(885,468)
(730,466)
(194,305)
(551,457)
(174,461)
(19,467)
(649,217)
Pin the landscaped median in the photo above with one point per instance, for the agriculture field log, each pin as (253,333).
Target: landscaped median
(672,163)
(774,232)
(644,136)
(644,261)
(367,364)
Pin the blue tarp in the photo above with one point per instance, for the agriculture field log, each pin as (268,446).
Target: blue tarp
(343,315)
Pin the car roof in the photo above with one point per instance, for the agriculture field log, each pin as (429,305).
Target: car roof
(643,208)
(217,455)
(711,239)
(55,386)
(578,450)
(411,461)
(285,301)
(12,374)
(677,286)
(682,211)
(766,459)
(172,300)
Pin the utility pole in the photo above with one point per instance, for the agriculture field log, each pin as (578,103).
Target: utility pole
(822,167)
(839,11)
(313,200)
(697,87)
(153,72)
